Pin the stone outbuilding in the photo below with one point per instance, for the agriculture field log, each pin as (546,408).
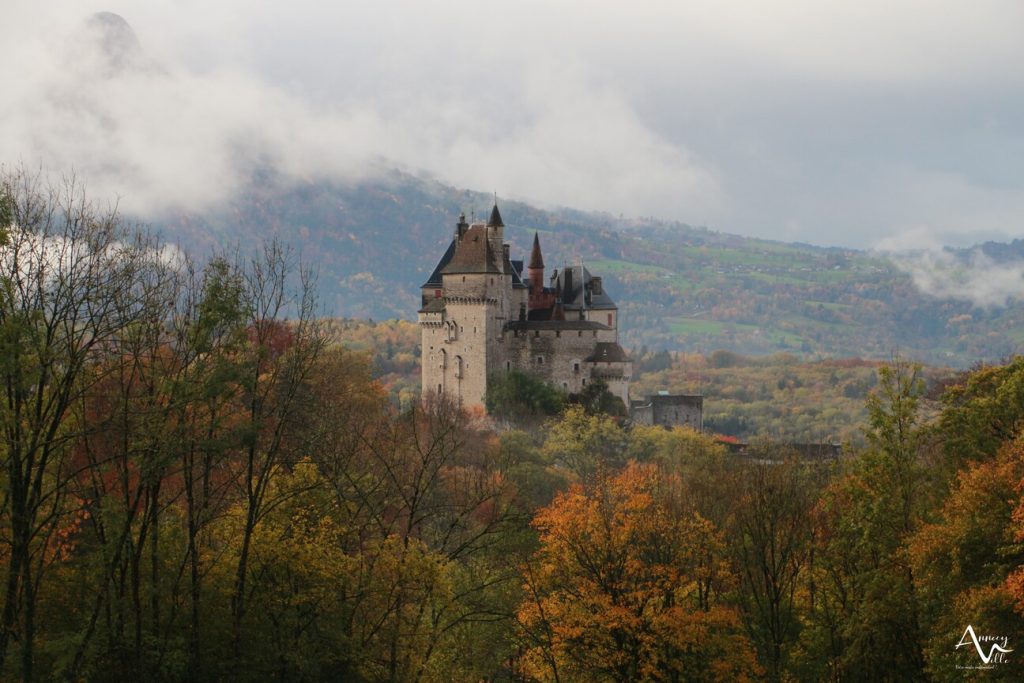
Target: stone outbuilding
(670,410)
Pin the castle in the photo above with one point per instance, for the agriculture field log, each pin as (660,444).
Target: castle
(481,315)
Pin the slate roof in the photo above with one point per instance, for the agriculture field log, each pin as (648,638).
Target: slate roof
(607,352)
(435,277)
(495,219)
(574,296)
(517,275)
(555,325)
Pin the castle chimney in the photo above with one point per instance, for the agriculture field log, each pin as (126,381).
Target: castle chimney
(558,313)
(461,226)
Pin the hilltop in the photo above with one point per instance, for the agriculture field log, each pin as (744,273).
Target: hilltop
(679,287)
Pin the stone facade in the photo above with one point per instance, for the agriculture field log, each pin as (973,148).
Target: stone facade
(480,315)
(670,410)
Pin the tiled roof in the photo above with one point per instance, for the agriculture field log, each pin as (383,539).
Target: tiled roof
(435,305)
(473,253)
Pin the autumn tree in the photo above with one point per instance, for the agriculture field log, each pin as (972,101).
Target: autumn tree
(73,280)
(275,364)
(584,443)
(597,399)
(626,586)
(700,462)
(866,607)
(967,562)
(771,543)
(517,396)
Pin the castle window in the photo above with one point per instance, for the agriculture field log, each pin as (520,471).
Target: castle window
(565,386)
(439,389)
(558,333)
(609,320)
(508,365)
(584,381)
(540,360)
(536,333)
(463,278)
(437,293)
(595,333)
(580,333)
(576,368)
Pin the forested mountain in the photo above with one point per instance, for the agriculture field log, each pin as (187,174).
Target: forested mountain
(679,287)
(200,485)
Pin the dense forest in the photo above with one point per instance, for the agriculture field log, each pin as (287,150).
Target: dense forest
(198,483)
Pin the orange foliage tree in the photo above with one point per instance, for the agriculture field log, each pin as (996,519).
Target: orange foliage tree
(968,562)
(626,586)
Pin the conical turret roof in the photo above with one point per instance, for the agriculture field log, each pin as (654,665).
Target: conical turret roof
(536,260)
(495,219)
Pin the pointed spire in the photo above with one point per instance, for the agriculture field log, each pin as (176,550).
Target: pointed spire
(495,220)
(536,260)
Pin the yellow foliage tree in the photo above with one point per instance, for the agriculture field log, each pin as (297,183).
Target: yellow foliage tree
(625,587)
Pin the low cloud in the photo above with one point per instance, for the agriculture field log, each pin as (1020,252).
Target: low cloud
(784,119)
(163,136)
(966,275)
(159,136)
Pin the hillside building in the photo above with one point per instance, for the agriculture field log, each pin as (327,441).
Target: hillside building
(670,410)
(482,314)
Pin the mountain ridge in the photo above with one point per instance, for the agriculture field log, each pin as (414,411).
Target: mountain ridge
(679,287)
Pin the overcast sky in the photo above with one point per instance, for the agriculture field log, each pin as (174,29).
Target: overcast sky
(852,123)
